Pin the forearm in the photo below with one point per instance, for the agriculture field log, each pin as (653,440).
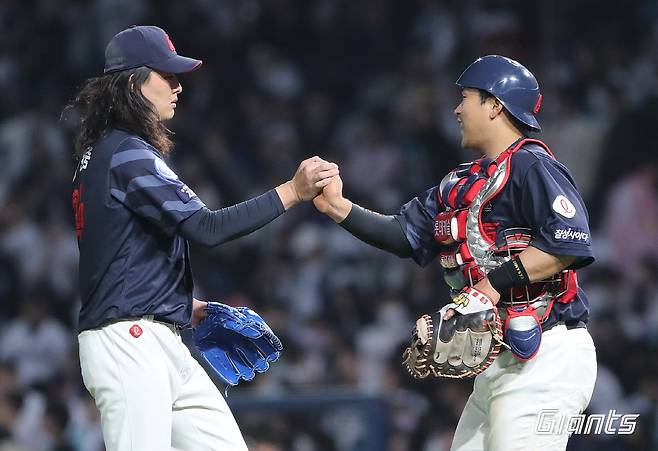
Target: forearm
(539,265)
(381,231)
(211,228)
(535,265)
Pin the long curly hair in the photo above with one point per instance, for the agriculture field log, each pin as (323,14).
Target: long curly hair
(116,101)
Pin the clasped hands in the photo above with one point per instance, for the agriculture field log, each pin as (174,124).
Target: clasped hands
(319,180)
(322,183)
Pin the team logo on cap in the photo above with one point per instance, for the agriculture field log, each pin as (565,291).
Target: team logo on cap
(136,331)
(169,43)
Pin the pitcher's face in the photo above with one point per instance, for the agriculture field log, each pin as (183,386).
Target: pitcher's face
(162,90)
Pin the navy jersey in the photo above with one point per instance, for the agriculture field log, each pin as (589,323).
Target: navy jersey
(128,205)
(540,195)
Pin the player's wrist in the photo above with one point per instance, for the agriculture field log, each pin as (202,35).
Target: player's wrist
(288,194)
(339,209)
(508,276)
(484,286)
(198,311)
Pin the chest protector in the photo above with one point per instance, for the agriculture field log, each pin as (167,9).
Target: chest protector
(469,243)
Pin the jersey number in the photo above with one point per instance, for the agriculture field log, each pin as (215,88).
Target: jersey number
(78,212)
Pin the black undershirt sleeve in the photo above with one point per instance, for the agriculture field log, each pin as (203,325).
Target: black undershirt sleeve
(213,227)
(382,231)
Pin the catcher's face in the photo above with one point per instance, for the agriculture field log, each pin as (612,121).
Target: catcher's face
(162,90)
(473,117)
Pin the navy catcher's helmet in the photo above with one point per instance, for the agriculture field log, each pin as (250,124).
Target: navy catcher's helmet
(508,81)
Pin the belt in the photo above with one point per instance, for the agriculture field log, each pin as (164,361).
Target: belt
(156,319)
(178,327)
(569,325)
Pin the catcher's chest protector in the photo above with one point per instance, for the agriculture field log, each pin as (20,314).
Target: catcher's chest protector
(469,243)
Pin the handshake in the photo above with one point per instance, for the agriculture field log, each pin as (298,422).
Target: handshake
(317,180)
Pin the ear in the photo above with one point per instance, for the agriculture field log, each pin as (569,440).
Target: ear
(496,108)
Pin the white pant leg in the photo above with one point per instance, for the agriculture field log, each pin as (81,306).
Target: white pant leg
(560,377)
(473,427)
(201,418)
(151,393)
(128,378)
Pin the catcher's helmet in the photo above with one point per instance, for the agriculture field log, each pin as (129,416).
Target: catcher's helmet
(508,81)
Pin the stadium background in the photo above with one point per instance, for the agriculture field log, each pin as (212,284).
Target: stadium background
(370,85)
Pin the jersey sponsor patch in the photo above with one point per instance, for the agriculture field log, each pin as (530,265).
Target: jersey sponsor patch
(572,235)
(564,207)
(164,170)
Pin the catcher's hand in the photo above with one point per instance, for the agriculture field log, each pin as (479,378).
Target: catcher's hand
(459,347)
(236,342)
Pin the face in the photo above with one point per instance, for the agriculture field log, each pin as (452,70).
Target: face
(474,118)
(162,90)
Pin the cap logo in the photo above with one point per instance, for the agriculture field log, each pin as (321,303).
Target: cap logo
(135,331)
(169,43)
(537,105)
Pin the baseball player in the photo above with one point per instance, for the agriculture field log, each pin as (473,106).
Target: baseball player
(134,218)
(510,229)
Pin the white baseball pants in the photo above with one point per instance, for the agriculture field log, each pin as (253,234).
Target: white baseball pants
(151,393)
(502,412)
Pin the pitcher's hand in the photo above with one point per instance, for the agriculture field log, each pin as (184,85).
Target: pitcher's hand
(311,176)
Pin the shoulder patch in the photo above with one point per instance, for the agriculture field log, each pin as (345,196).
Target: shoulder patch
(186,193)
(564,207)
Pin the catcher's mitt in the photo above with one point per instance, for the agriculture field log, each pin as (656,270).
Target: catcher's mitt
(460,347)
(236,342)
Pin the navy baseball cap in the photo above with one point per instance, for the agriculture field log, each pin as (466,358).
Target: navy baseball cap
(145,45)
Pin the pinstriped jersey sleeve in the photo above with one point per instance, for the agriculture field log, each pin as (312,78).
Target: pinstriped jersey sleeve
(142,181)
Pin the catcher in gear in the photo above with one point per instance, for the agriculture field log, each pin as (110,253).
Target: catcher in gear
(134,218)
(509,230)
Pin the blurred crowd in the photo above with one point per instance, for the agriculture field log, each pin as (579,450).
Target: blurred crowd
(369,85)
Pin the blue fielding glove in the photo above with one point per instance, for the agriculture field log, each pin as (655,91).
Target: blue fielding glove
(236,342)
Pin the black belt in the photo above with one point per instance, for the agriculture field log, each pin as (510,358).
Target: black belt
(570,325)
(153,318)
(177,326)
